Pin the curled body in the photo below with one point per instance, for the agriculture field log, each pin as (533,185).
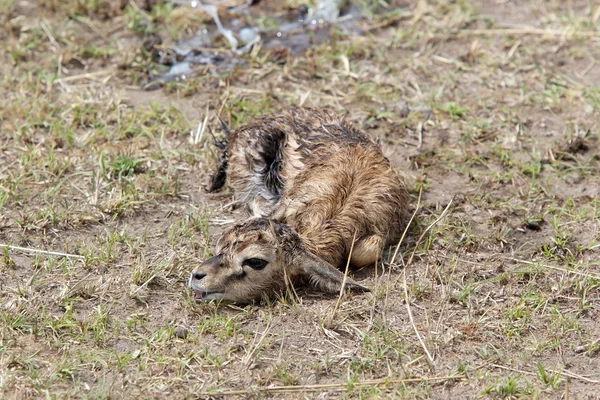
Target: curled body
(320,192)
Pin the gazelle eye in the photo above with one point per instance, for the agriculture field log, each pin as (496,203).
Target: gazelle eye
(255,263)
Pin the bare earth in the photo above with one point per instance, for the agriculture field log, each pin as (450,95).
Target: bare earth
(491,109)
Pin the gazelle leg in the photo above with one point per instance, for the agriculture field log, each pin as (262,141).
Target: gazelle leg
(366,251)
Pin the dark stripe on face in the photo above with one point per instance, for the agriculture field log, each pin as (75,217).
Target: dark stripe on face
(240,246)
(213,261)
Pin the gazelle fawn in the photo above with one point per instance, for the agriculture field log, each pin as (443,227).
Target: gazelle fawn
(320,192)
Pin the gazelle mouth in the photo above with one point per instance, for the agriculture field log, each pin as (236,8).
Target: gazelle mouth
(203,295)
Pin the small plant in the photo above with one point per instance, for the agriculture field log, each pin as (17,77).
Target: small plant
(509,387)
(6,260)
(551,379)
(454,110)
(125,166)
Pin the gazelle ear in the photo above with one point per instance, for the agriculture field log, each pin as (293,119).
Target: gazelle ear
(323,275)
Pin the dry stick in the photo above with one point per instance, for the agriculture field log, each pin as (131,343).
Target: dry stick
(570,271)
(288,281)
(442,215)
(143,285)
(407,300)
(154,275)
(526,31)
(93,27)
(253,351)
(223,106)
(372,313)
(412,217)
(570,374)
(281,348)
(512,369)
(194,48)
(564,372)
(330,386)
(588,68)
(407,225)
(339,300)
(290,285)
(50,35)
(84,76)
(412,321)
(197,138)
(46,252)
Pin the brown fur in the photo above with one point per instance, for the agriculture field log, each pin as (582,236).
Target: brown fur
(322,183)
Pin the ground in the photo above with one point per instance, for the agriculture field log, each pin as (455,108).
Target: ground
(490,109)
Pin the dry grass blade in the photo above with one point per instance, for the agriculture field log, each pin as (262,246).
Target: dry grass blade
(339,300)
(332,386)
(393,259)
(44,25)
(38,251)
(196,137)
(563,371)
(255,347)
(89,75)
(410,221)
(566,270)
(528,31)
(430,357)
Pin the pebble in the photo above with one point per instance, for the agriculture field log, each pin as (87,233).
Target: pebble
(181,332)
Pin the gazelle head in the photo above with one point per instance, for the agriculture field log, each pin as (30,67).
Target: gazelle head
(262,257)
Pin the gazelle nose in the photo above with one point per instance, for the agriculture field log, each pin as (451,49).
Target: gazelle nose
(198,276)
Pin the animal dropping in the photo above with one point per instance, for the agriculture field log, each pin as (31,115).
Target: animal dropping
(312,183)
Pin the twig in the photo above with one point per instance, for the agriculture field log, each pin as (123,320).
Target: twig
(197,137)
(408,225)
(329,386)
(569,271)
(253,351)
(512,369)
(46,252)
(248,90)
(221,222)
(412,321)
(442,215)
(512,50)
(339,300)
(570,374)
(412,217)
(526,31)
(46,29)
(407,300)
(151,278)
(88,75)
(588,68)
(143,285)
(194,48)
(303,98)
(563,371)
(93,28)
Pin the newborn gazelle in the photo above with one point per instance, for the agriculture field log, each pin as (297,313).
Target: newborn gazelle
(313,183)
